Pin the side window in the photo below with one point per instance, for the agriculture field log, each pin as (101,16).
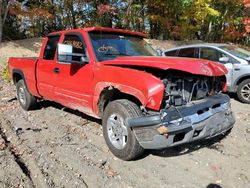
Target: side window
(187,52)
(171,53)
(50,48)
(212,54)
(77,43)
(234,61)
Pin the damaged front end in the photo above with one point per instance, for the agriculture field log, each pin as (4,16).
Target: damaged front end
(193,108)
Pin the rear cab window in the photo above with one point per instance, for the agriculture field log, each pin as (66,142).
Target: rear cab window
(50,48)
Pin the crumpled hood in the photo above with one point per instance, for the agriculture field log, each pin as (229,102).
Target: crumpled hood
(194,66)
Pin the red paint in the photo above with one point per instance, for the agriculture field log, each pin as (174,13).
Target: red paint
(194,66)
(143,86)
(79,86)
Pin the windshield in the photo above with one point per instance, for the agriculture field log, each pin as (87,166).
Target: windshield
(112,45)
(238,52)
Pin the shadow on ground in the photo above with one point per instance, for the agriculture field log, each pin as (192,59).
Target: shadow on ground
(46,104)
(188,148)
(212,185)
(233,96)
(168,152)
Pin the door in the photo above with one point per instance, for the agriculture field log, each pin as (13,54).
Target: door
(73,84)
(45,67)
(215,55)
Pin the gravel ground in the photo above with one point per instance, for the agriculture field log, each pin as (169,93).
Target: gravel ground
(54,146)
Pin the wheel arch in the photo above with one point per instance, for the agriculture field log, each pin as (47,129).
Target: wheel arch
(109,94)
(18,75)
(239,80)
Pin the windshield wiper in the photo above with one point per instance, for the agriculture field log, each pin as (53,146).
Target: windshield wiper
(117,54)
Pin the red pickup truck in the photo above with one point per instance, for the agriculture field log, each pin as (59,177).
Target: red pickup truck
(144,101)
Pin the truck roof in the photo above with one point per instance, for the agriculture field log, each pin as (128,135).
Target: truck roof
(104,29)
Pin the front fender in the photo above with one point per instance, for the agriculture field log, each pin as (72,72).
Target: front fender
(235,83)
(144,86)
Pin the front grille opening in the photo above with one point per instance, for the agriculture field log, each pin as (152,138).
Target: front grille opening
(178,137)
(216,106)
(199,112)
(196,133)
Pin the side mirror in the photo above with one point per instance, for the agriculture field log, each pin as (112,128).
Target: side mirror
(66,55)
(159,52)
(224,60)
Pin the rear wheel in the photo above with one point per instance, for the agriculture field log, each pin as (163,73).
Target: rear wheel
(243,91)
(119,138)
(26,100)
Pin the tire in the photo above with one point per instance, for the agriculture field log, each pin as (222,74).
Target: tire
(120,139)
(243,91)
(26,100)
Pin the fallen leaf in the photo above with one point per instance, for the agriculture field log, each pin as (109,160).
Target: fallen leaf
(110,171)
(2,146)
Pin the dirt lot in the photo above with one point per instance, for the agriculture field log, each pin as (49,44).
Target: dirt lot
(56,147)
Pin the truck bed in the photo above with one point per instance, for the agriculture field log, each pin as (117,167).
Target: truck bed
(25,66)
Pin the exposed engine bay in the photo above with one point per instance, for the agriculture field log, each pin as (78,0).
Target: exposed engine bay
(182,88)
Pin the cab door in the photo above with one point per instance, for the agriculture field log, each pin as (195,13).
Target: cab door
(73,84)
(46,67)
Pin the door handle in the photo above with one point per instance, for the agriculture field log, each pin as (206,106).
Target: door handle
(237,69)
(56,70)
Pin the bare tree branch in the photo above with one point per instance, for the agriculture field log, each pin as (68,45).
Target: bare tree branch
(6,12)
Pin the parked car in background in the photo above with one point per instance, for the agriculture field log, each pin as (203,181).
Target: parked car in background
(236,60)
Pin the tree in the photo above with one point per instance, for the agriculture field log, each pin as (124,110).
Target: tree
(34,17)
(4,9)
(208,20)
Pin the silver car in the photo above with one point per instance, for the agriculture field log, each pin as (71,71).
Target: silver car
(235,59)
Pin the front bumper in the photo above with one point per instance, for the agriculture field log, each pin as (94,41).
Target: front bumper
(199,120)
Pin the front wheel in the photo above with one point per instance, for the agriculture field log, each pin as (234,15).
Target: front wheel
(243,91)
(118,136)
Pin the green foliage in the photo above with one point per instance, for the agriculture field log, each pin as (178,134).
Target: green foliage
(209,20)
(5,74)
(11,30)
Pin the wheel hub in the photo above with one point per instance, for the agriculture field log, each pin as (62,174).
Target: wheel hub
(117,131)
(21,95)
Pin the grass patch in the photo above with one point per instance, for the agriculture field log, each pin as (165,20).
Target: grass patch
(5,73)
